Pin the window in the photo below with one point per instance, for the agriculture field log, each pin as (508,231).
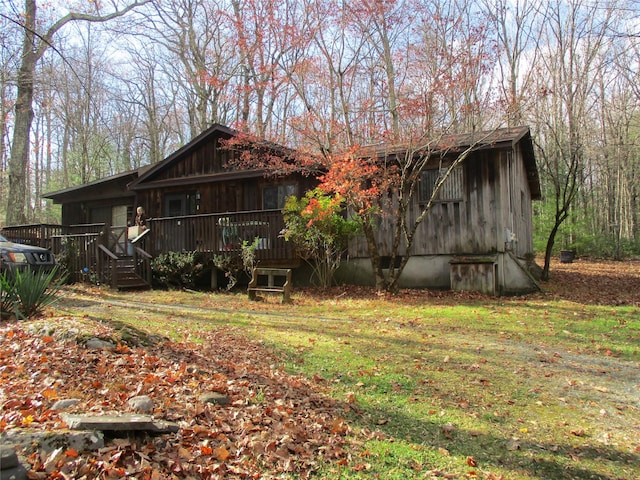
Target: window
(100,215)
(119,215)
(451,190)
(179,204)
(274,197)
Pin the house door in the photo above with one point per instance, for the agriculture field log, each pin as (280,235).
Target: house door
(178,235)
(179,204)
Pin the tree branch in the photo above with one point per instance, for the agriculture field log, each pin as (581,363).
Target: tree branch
(75,16)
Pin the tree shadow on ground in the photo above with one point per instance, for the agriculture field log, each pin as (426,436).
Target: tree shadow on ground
(493,451)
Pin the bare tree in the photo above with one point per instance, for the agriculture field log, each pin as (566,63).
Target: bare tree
(202,57)
(8,65)
(148,97)
(575,34)
(517,30)
(34,44)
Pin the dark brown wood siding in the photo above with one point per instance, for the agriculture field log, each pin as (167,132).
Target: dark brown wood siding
(220,197)
(208,158)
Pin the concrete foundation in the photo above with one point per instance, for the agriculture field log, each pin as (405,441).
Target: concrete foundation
(496,274)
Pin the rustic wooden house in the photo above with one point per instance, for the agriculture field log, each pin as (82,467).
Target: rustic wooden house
(479,233)
(107,200)
(476,237)
(195,200)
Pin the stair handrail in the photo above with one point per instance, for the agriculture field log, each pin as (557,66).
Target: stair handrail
(113,259)
(145,263)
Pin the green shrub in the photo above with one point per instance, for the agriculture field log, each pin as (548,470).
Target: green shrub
(320,231)
(177,269)
(25,293)
(231,263)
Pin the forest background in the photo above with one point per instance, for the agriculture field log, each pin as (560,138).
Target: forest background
(120,84)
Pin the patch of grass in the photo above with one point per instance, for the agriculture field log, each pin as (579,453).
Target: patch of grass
(478,388)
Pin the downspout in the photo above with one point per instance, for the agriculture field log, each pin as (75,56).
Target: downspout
(508,238)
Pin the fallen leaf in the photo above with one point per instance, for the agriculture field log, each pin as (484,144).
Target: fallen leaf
(221,453)
(338,426)
(493,476)
(184,453)
(70,452)
(448,429)
(50,394)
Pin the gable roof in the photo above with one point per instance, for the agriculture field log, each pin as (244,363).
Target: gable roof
(179,155)
(95,188)
(132,180)
(496,139)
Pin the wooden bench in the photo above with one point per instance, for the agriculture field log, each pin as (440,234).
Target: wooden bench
(257,283)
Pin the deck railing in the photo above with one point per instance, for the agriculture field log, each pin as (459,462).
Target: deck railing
(42,234)
(219,233)
(210,233)
(81,255)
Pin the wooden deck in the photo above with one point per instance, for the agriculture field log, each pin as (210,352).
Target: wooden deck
(219,233)
(101,253)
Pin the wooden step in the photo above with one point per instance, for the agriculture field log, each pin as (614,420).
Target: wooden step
(127,276)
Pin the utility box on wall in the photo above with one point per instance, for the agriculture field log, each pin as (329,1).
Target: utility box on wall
(474,274)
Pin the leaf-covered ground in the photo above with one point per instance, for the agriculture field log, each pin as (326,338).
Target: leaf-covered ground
(586,281)
(277,425)
(598,282)
(275,422)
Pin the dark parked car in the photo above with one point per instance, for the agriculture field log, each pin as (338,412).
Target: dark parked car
(17,256)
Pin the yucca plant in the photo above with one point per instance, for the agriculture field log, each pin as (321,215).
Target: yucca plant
(25,293)
(7,296)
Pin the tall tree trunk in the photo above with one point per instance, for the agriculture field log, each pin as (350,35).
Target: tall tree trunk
(551,240)
(19,159)
(33,48)
(374,256)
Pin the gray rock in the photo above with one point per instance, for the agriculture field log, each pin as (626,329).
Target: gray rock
(98,343)
(215,398)
(8,458)
(126,422)
(142,404)
(65,403)
(49,441)
(14,473)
